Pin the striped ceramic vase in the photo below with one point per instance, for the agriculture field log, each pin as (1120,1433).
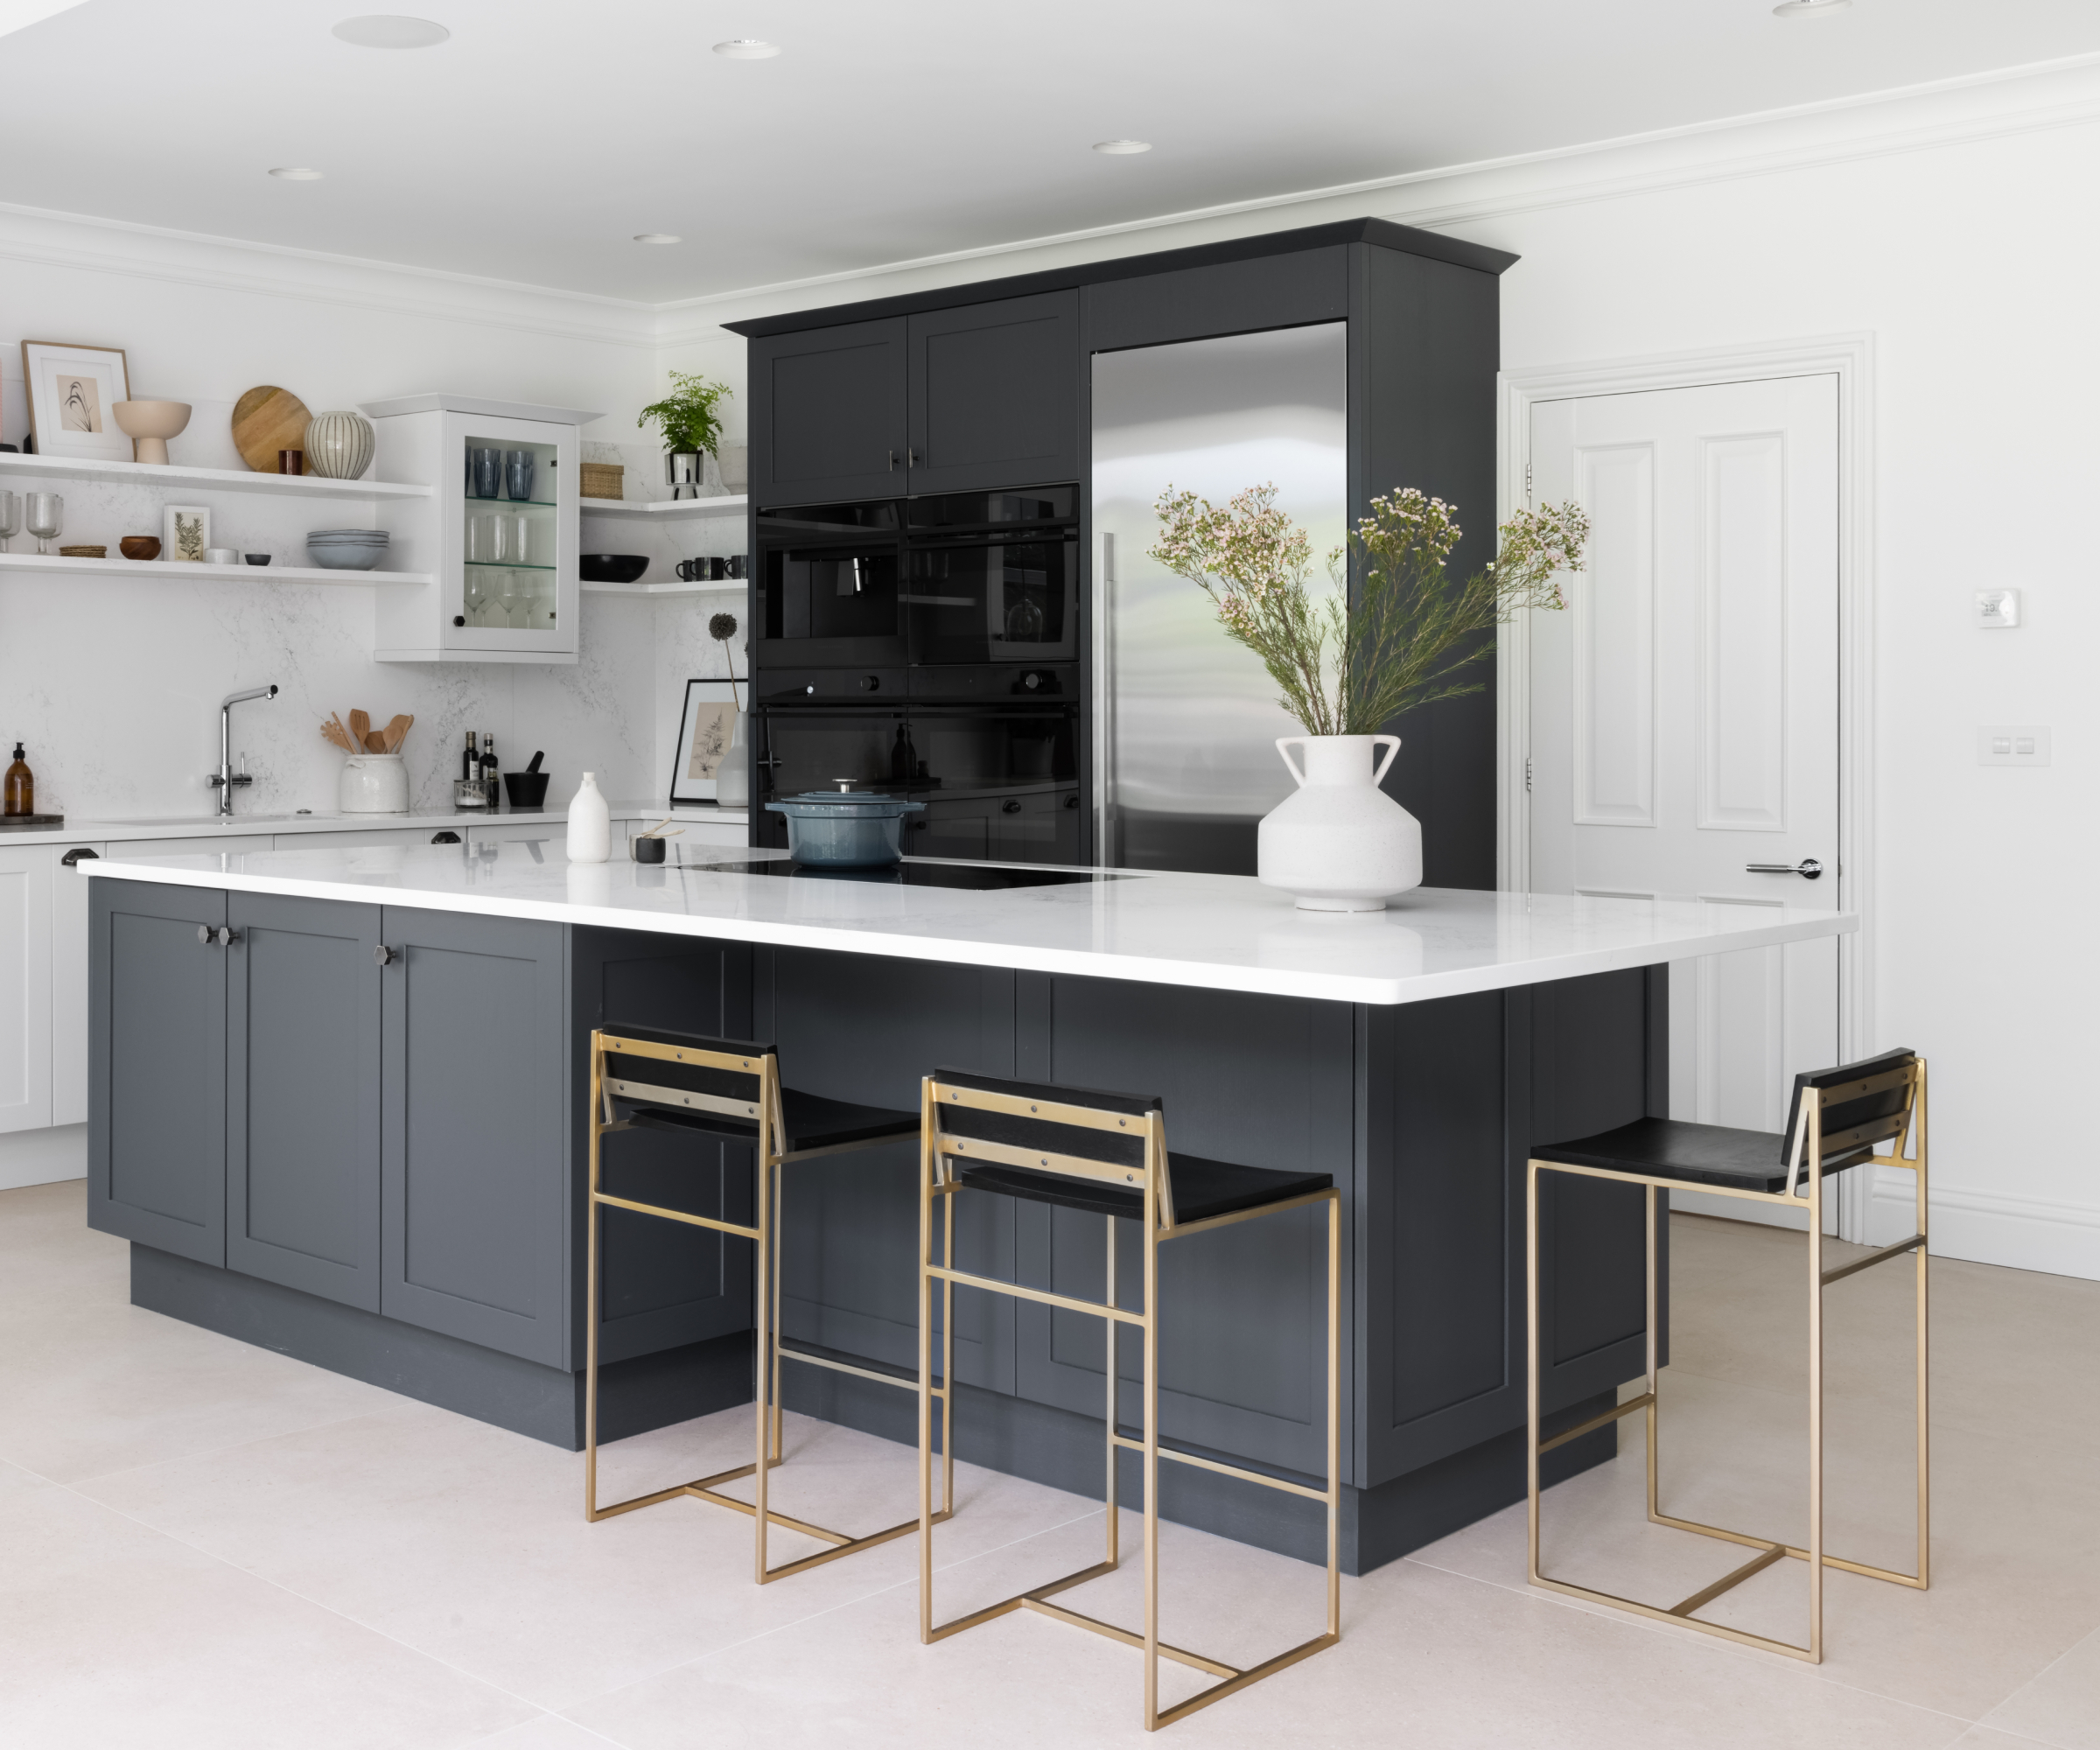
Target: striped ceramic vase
(339,445)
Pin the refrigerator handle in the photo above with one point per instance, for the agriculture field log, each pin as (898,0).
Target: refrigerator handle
(1104,702)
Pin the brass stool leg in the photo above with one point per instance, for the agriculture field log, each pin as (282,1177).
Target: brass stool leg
(1108,1337)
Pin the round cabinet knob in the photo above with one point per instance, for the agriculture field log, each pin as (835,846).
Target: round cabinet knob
(870,684)
(1031,680)
(1010,807)
(384,956)
(206,934)
(809,689)
(458,619)
(1071,801)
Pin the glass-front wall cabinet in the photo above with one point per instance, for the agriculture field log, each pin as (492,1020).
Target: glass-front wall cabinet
(501,536)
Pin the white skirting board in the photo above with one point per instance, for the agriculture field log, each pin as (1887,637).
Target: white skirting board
(43,1157)
(2019,1233)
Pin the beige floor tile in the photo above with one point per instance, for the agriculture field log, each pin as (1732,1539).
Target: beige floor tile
(2062,1706)
(49,1257)
(1985,1737)
(1427,1658)
(547,1732)
(470,1544)
(113,1633)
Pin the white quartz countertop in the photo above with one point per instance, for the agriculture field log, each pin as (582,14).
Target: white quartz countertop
(1216,931)
(88,828)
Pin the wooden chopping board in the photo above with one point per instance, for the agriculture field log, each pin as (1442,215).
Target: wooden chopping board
(267,420)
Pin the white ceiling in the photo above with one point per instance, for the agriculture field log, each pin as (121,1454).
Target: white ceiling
(534,143)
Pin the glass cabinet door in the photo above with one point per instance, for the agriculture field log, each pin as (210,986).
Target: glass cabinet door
(510,546)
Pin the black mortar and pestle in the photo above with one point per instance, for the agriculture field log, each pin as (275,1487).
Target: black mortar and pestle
(528,788)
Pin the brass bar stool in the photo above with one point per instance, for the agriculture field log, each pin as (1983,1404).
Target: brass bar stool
(729,1089)
(1838,1117)
(1105,1154)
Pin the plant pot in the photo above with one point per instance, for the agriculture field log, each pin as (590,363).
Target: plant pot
(373,784)
(682,468)
(1338,842)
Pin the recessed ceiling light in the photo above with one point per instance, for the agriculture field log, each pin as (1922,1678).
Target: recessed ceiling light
(297,173)
(656,237)
(1120,149)
(1804,9)
(389,30)
(746,48)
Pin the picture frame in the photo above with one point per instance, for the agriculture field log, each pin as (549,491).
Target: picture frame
(185,531)
(707,736)
(71,388)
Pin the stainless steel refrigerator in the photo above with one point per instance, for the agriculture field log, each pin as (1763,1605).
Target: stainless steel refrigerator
(1186,720)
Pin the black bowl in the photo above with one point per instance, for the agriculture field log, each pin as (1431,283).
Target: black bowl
(612,568)
(528,789)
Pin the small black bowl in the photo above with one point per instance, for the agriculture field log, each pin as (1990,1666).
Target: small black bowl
(648,849)
(256,558)
(612,568)
(528,789)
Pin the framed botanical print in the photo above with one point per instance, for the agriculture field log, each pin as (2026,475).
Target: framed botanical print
(71,390)
(707,739)
(185,531)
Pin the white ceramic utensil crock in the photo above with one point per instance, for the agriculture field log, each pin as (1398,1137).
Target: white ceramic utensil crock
(373,784)
(1338,842)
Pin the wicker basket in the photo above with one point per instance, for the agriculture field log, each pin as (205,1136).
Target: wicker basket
(605,480)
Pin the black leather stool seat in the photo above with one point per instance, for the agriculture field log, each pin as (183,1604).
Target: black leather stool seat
(1202,1188)
(810,1120)
(1697,1154)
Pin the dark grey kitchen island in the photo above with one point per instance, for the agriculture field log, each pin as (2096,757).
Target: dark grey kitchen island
(339,1110)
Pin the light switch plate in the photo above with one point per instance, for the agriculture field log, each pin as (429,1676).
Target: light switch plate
(2012,744)
(1997,609)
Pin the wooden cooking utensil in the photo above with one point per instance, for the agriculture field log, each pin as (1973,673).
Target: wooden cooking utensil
(360,726)
(334,732)
(398,731)
(376,743)
(266,420)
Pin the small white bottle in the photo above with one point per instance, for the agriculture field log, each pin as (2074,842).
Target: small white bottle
(589,824)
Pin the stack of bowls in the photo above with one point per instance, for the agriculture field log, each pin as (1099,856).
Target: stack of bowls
(347,549)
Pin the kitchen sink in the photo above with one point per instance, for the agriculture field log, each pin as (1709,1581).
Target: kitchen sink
(208,820)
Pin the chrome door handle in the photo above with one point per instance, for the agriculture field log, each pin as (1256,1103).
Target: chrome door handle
(1808,868)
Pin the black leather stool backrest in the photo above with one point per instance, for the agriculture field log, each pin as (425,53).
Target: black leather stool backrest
(1112,1148)
(720,1080)
(1855,1124)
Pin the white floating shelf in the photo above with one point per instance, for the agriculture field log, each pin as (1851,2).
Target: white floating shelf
(196,571)
(679,508)
(29,468)
(726,586)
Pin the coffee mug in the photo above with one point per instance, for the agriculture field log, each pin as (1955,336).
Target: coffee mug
(734,565)
(700,571)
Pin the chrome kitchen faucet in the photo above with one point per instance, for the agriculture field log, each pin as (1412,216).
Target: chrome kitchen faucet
(226,778)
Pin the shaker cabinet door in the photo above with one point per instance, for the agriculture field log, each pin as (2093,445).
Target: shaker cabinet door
(156,1090)
(828,414)
(303,1095)
(994,394)
(25,1006)
(474,1150)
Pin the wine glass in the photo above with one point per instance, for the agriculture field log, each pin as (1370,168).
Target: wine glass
(10,518)
(514,598)
(478,596)
(46,518)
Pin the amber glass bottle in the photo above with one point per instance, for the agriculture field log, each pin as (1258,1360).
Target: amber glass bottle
(20,795)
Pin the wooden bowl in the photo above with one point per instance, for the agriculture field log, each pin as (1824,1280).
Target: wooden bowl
(140,546)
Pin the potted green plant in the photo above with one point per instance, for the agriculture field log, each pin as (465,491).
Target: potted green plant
(689,426)
(1398,632)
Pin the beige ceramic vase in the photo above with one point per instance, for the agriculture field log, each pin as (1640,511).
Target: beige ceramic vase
(149,424)
(339,445)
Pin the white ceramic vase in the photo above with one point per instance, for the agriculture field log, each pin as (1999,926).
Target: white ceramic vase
(373,784)
(732,777)
(1338,842)
(339,445)
(589,824)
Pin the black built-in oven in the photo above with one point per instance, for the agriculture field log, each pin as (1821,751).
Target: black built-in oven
(927,647)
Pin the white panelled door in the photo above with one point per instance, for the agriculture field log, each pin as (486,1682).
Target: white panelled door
(1684,708)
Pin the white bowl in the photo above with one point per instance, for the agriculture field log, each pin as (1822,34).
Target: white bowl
(346,558)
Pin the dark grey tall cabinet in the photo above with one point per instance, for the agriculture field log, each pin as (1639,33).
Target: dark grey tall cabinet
(985,386)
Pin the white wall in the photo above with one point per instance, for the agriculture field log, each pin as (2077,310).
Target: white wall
(1957,227)
(113,683)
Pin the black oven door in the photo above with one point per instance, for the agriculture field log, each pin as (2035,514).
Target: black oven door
(1007,597)
(1000,783)
(816,748)
(829,587)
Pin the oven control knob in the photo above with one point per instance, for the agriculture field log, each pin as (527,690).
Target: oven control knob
(1031,680)
(870,684)
(809,689)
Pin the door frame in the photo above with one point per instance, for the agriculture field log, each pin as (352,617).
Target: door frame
(1851,359)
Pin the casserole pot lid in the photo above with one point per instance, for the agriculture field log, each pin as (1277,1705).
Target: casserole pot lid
(845,803)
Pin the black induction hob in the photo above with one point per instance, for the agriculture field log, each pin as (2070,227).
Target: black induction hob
(981,877)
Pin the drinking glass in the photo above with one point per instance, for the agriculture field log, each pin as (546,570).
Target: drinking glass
(10,518)
(46,518)
(518,537)
(488,472)
(517,473)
